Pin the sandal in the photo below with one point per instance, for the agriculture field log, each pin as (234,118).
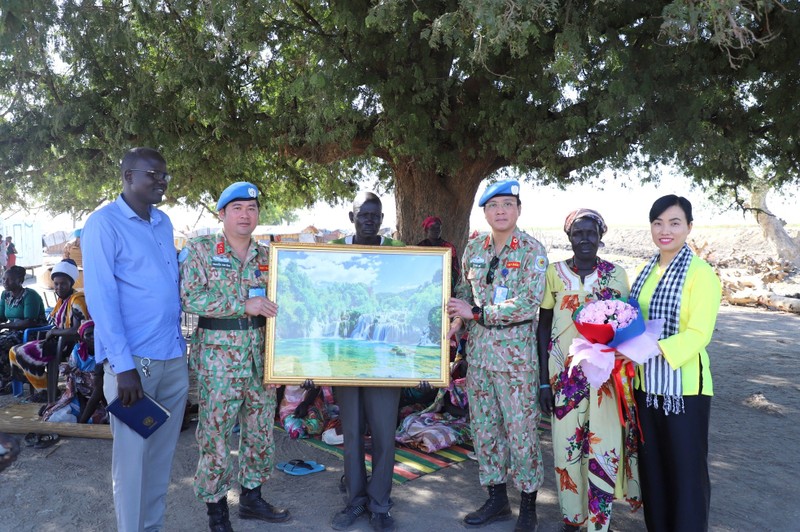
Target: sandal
(36,397)
(45,441)
(9,450)
(31,439)
(300,467)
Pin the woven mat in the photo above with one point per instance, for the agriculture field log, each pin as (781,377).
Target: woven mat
(412,463)
(408,463)
(21,418)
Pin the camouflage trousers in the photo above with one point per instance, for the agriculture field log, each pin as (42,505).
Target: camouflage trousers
(504,416)
(223,402)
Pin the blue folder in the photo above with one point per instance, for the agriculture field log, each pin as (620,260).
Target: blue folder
(144,416)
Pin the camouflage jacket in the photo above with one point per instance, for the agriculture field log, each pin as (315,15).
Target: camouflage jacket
(507,339)
(216,284)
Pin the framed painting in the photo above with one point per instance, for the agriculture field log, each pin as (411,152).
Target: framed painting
(358,315)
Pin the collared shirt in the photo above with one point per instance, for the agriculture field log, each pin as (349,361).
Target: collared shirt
(507,339)
(131,284)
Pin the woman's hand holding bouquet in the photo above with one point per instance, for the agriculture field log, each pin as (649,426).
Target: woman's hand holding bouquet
(610,327)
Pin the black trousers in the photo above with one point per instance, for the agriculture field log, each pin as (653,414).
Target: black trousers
(376,407)
(673,465)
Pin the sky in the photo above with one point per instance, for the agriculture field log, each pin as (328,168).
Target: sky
(547,207)
(621,204)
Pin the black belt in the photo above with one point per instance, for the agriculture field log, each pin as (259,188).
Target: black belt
(510,325)
(231,324)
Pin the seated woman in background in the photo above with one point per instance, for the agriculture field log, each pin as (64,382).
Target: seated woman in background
(20,308)
(306,412)
(446,421)
(68,314)
(82,400)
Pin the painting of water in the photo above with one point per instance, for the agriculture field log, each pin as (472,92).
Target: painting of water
(358,315)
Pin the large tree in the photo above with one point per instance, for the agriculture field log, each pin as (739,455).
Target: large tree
(306,98)
(740,126)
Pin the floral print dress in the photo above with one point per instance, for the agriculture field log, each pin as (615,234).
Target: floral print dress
(595,455)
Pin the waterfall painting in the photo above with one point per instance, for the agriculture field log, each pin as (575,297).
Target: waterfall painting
(358,315)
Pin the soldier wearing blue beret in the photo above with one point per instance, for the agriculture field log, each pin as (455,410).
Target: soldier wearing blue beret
(241,190)
(497,300)
(223,281)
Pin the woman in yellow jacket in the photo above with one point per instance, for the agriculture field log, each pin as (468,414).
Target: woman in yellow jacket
(674,389)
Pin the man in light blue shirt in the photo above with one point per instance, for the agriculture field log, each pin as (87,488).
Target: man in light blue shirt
(131,285)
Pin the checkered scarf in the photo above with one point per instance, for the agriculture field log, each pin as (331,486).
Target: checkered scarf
(660,378)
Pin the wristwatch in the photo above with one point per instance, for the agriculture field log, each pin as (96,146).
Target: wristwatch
(477,313)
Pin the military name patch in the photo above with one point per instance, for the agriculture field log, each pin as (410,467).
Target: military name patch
(512,265)
(221,262)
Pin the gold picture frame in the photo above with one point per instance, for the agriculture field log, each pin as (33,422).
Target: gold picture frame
(354,315)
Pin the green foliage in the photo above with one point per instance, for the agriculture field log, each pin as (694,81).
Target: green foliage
(306,98)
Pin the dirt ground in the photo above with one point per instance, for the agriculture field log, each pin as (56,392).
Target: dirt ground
(755,418)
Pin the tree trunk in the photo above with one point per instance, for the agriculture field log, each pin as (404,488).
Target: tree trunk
(787,248)
(424,192)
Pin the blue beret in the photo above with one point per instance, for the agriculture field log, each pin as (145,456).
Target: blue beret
(509,187)
(237,191)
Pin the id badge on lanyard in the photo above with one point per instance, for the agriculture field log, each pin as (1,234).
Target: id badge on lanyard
(500,293)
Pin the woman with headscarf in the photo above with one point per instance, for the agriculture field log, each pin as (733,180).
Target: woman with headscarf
(68,314)
(433,238)
(674,389)
(20,309)
(594,454)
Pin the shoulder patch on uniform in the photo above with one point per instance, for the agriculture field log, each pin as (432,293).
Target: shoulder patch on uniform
(540,264)
(183,254)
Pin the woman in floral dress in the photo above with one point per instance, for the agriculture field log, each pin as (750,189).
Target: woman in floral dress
(594,450)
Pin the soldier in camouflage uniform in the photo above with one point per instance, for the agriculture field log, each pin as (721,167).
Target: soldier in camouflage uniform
(223,280)
(498,300)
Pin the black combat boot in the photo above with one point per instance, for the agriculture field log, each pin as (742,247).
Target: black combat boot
(527,522)
(252,506)
(495,508)
(218,516)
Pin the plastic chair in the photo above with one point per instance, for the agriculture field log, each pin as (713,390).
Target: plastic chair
(35,333)
(31,333)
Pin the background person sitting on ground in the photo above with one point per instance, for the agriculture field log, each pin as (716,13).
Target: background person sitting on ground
(305,413)
(83,395)
(68,314)
(20,308)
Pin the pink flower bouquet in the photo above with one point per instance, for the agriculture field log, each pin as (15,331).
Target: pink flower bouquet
(609,326)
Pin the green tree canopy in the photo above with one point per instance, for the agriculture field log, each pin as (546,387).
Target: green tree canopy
(305,98)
